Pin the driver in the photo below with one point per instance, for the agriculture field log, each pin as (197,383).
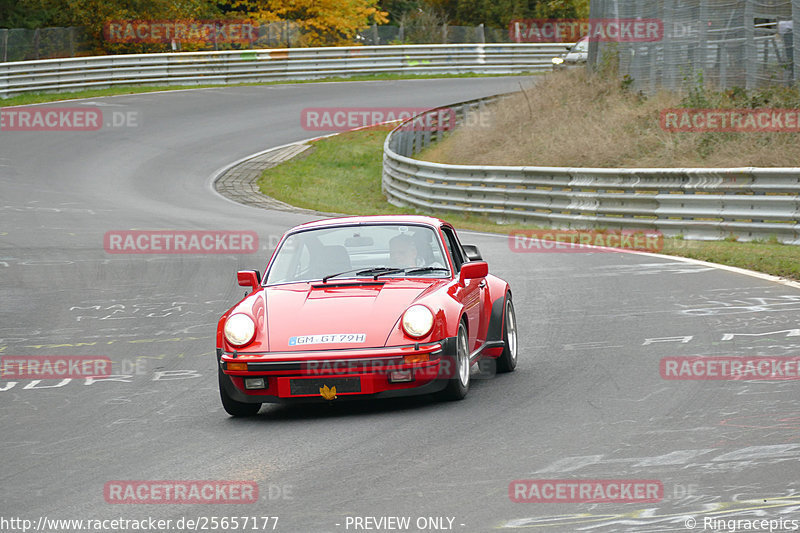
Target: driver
(403,252)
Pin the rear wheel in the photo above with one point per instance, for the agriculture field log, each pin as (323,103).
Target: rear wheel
(507,362)
(458,384)
(231,406)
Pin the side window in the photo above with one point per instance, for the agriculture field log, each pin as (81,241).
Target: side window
(453,248)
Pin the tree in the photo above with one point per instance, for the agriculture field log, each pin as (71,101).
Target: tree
(324,22)
(424,25)
(397,9)
(94,14)
(499,13)
(14,14)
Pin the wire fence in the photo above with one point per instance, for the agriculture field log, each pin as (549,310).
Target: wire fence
(443,34)
(53,43)
(730,43)
(43,43)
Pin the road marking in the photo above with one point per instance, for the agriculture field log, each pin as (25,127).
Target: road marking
(679,457)
(736,270)
(787,505)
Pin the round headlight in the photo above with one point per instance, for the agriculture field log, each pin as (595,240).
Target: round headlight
(558,60)
(239,329)
(417,321)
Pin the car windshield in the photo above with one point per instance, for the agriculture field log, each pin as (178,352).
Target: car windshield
(581,46)
(378,250)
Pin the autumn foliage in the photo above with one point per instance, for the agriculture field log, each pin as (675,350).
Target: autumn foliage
(310,22)
(324,22)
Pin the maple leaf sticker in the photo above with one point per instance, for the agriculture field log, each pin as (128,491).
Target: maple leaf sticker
(328,394)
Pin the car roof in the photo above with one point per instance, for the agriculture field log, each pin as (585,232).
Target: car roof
(373,219)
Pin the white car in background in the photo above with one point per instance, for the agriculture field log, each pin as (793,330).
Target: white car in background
(575,56)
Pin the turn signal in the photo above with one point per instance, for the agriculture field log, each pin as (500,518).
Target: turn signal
(417,358)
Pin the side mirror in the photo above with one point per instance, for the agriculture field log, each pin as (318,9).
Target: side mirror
(473,270)
(249,278)
(472,252)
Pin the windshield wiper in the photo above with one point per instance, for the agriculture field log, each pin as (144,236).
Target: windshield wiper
(388,271)
(329,276)
(427,269)
(374,272)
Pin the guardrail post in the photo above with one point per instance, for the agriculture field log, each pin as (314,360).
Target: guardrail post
(3,82)
(795,41)
(596,9)
(749,51)
(702,61)
(429,129)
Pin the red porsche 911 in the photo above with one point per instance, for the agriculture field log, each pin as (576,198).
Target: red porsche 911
(364,307)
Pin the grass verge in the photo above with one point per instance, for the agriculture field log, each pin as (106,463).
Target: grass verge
(39,98)
(342,174)
(570,119)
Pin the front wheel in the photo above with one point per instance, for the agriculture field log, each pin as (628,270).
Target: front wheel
(507,362)
(231,406)
(458,384)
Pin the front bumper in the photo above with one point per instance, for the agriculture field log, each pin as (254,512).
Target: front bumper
(357,373)
(568,65)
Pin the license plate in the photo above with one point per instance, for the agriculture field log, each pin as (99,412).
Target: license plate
(299,387)
(332,338)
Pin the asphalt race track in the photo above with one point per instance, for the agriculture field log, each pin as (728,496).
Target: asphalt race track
(587,401)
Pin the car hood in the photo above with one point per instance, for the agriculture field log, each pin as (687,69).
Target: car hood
(371,309)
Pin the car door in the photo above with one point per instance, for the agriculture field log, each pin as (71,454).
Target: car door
(472,294)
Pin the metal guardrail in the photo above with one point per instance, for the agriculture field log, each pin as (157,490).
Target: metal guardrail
(190,68)
(699,203)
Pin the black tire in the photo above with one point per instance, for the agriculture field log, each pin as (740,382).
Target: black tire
(507,361)
(231,406)
(458,386)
